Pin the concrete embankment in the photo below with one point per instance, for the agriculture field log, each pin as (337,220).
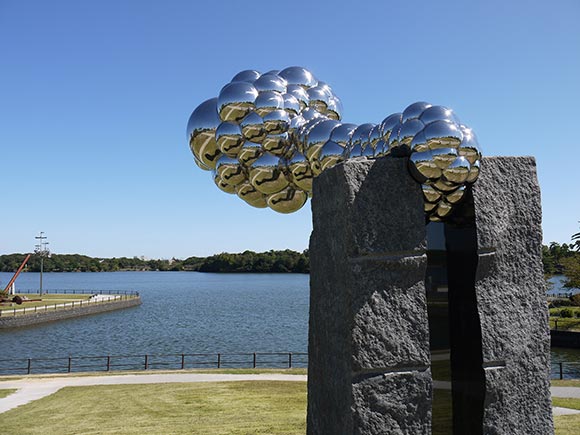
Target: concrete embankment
(35,318)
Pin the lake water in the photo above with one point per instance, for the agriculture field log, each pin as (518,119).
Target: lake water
(182,312)
(556,286)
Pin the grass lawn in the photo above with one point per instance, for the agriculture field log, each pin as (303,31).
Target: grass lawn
(565,323)
(4,393)
(294,371)
(232,408)
(567,424)
(49,299)
(566,402)
(220,408)
(565,382)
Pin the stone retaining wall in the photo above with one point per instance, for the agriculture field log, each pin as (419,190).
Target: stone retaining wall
(66,313)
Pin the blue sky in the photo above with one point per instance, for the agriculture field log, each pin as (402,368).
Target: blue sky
(96,96)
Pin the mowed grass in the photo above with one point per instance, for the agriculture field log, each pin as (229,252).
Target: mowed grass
(6,392)
(565,382)
(220,408)
(49,299)
(227,371)
(217,408)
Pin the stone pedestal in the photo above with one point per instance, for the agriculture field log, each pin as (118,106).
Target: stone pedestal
(369,337)
(369,363)
(511,298)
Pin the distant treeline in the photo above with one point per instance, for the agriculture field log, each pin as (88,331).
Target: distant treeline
(557,259)
(248,261)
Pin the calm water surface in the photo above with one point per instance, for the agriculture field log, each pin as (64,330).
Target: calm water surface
(182,312)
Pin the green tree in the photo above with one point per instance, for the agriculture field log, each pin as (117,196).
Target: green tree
(572,271)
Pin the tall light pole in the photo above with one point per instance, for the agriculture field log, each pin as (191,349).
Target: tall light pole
(41,250)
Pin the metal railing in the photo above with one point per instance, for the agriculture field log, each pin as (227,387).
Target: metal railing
(566,370)
(24,310)
(181,361)
(78,292)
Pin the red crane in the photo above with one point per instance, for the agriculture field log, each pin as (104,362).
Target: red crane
(5,293)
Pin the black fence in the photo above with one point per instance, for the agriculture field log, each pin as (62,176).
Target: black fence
(566,370)
(179,361)
(23,309)
(78,292)
(183,361)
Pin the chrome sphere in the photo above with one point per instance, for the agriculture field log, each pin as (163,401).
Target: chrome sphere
(229,171)
(288,200)
(248,75)
(248,193)
(201,129)
(296,75)
(229,139)
(236,100)
(266,136)
(299,171)
(266,174)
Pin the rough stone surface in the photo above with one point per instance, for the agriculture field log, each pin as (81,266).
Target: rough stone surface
(393,404)
(368,311)
(511,299)
(368,338)
(65,313)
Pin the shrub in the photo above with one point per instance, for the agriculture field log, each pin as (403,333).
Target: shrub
(566,312)
(575,300)
(561,303)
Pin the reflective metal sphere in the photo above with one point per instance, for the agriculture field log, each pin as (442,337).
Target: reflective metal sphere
(236,100)
(266,136)
(266,174)
(438,113)
(276,122)
(414,111)
(299,171)
(249,153)
(270,82)
(276,144)
(248,193)
(201,129)
(359,139)
(288,200)
(317,137)
(248,75)
(268,101)
(253,127)
(229,138)
(296,75)
(330,155)
(443,134)
(229,171)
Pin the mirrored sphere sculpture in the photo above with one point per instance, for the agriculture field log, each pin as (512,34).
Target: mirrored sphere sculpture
(266,136)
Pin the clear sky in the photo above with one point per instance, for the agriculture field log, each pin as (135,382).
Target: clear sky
(95,97)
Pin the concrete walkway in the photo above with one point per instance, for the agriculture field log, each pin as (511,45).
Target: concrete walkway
(36,388)
(30,389)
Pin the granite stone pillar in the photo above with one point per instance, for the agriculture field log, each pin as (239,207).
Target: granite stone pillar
(369,338)
(511,298)
(369,364)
